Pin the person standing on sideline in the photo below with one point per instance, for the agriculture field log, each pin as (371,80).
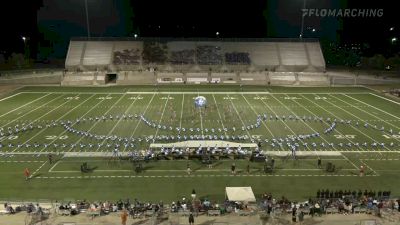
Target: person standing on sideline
(233,167)
(27,173)
(188,168)
(248,168)
(50,156)
(362,171)
(319,163)
(124,217)
(191,219)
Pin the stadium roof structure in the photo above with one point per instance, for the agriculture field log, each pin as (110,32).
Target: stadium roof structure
(240,194)
(195,55)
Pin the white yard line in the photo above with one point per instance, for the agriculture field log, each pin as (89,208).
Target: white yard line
(371,107)
(243,124)
(390,100)
(369,167)
(302,122)
(355,117)
(180,119)
(219,114)
(55,164)
(10,96)
(139,120)
(25,105)
(116,102)
(119,120)
(33,174)
(351,162)
(162,115)
(201,117)
(42,130)
(74,122)
(262,100)
(336,130)
(262,121)
(54,99)
(366,111)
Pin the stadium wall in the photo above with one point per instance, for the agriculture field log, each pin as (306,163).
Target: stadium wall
(28,78)
(216,55)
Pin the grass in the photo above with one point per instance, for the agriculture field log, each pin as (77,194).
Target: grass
(228,106)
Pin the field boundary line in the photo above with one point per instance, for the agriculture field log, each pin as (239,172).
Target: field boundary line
(11,96)
(64,131)
(200,176)
(161,117)
(372,107)
(25,104)
(119,120)
(234,107)
(363,133)
(219,114)
(139,120)
(336,130)
(387,99)
(193,92)
(180,119)
(33,174)
(42,130)
(97,122)
(369,167)
(48,102)
(55,164)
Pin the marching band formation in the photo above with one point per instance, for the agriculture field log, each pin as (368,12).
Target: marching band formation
(116,143)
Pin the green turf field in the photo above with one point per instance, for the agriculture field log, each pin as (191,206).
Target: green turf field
(172,106)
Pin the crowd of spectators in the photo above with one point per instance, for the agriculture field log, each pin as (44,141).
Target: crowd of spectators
(28,207)
(127,57)
(348,203)
(184,57)
(354,194)
(345,202)
(209,55)
(241,58)
(154,52)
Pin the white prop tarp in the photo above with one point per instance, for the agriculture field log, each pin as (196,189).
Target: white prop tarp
(240,194)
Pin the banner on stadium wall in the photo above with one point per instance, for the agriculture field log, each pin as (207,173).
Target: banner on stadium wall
(169,80)
(197,80)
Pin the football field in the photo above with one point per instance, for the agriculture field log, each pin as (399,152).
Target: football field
(348,127)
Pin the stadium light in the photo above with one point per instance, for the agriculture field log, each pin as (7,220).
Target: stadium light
(313,30)
(391,29)
(217,33)
(394,40)
(302,20)
(87,19)
(24,38)
(135,35)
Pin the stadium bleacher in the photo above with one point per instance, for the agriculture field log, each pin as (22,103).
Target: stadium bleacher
(219,60)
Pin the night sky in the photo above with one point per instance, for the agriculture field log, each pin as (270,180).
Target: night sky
(49,24)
